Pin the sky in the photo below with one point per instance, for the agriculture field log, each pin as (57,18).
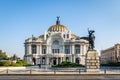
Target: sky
(20,19)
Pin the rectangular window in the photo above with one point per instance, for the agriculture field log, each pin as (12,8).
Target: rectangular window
(52,50)
(43,49)
(34,51)
(77,51)
(67,49)
(67,35)
(55,51)
(58,51)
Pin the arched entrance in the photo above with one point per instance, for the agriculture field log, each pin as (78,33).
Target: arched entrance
(59,60)
(34,61)
(54,61)
(67,59)
(77,60)
(43,60)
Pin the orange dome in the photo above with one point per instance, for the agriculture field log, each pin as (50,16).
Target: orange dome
(73,36)
(58,27)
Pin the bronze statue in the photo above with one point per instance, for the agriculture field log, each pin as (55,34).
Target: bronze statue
(91,39)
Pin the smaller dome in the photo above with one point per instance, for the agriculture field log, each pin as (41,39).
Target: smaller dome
(73,36)
(78,38)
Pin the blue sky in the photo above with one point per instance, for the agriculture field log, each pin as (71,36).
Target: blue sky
(19,19)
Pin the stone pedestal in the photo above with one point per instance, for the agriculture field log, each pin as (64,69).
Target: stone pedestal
(92,61)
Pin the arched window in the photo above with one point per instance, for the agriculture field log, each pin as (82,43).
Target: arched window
(56,42)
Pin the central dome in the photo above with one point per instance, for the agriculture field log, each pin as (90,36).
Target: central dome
(58,27)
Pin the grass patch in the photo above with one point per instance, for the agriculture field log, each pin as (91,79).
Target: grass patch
(12,64)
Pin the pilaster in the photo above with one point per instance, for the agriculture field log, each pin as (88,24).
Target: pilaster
(73,49)
(30,49)
(38,49)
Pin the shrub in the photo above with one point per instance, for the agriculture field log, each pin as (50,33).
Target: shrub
(68,64)
(111,64)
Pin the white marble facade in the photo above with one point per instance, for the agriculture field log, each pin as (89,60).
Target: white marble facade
(55,46)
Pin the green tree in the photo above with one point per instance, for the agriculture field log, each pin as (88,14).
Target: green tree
(14,57)
(3,55)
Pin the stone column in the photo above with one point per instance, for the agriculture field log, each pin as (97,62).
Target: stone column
(71,58)
(56,60)
(26,49)
(74,59)
(60,59)
(63,48)
(40,60)
(73,49)
(30,49)
(82,49)
(38,49)
(70,49)
(47,49)
(85,50)
(47,60)
(73,52)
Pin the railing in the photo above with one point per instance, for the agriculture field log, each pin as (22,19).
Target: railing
(54,71)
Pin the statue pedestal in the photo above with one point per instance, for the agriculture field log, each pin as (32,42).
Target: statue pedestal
(92,61)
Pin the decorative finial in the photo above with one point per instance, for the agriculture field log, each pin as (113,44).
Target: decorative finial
(58,21)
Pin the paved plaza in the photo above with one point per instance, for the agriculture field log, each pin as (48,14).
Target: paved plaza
(60,77)
(47,73)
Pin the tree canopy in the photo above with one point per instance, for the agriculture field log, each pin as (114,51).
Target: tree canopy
(3,55)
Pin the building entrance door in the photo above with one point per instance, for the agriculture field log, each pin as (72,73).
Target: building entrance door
(77,60)
(54,61)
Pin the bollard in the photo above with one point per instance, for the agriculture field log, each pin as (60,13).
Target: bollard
(30,71)
(7,71)
(54,72)
(105,71)
(79,71)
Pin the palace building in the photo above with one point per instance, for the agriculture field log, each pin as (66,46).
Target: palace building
(111,54)
(56,45)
